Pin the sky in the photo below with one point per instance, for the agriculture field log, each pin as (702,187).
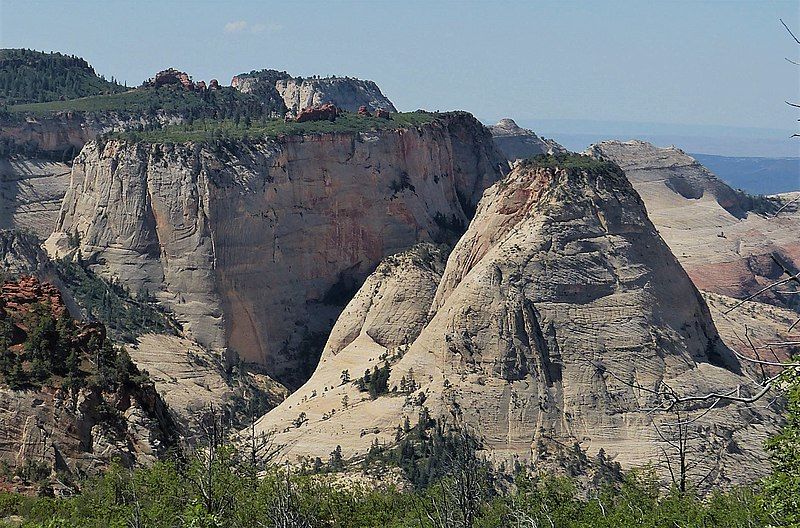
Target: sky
(677,68)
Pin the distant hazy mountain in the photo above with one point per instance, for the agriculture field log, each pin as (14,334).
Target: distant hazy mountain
(755,175)
(576,135)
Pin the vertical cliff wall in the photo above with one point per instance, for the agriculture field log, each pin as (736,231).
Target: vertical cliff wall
(257,246)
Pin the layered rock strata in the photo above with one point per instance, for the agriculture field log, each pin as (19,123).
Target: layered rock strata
(74,429)
(730,243)
(31,191)
(298,93)
(557,312)
(520,143)
(256,246)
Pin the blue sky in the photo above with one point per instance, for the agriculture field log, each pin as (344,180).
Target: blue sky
(692,64)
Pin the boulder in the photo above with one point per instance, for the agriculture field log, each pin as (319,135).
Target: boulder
(325,112)
(171,76)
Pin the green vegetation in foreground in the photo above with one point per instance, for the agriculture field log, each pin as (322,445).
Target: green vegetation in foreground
(222,486)
(28,76)
(781,494)
(570,161)
(169,495)
(209,129)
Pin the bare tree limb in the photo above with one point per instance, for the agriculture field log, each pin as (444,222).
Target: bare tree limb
(759,292)
(789,30)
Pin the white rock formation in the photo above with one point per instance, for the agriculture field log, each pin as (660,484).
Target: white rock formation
(520,143)
(556,304)
(31,191)
(301,92)
(724,239)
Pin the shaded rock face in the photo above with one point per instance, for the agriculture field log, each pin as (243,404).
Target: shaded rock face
(724,239)
(559,297)
(257,247)
(521,143)
(22,254)
(299,93)
(31,191)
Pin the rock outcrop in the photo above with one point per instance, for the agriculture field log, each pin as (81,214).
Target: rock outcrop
(256,247)
(558,302)
(297,93)
(324,112)
(520,143)
(80,432)
(76,422)
(173,77)
(192,381)
(22,253)
(725,239)
(59,133)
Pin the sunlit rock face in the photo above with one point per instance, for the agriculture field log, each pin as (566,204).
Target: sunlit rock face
(297,93)
(520,143)
(257,246)
(558,302)
(729,242)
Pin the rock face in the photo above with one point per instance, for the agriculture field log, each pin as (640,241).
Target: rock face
(520,143)
(297,93)
(559,297)
(72,432)
(19,296)
(191,380)
(761,323)
(31,191)
(257,247)
(173,77)
(22,254)
(58,133)
(724,239)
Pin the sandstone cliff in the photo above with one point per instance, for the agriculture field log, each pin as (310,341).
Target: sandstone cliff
(56,133)
(256,246)
(519,143)
(559,299)
(297,92)
(724,239)
(31,191)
